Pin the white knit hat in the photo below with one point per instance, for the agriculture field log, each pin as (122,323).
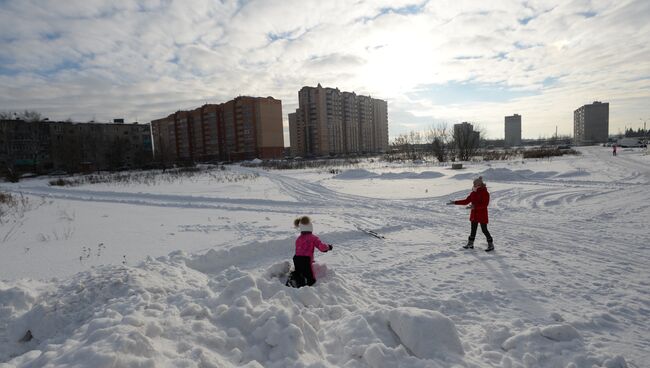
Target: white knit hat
(307,227)
(303,227)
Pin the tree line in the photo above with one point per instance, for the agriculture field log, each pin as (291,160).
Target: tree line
(439,141)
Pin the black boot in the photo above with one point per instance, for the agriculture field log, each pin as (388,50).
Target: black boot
(469,245)
(490,247)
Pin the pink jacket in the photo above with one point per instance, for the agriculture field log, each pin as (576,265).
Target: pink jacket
(306,243)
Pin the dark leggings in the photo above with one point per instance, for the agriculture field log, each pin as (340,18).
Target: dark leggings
(304,275)
(484,229)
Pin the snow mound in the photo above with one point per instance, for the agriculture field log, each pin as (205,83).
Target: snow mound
(217,260)
(560,332)
(355,174)
(358,174)
(411,175)
(165,313)
(559,345)
(507,175)
(492,174)
(427,334)
(168,312)
(573,174)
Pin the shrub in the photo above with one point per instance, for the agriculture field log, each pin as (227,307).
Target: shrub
(548,152)
(304,164)
(156,177)
(12,176)
(12,205)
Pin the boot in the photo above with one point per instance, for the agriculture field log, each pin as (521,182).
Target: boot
(469,245)
(490,247)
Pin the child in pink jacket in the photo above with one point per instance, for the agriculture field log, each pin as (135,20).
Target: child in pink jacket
(304,258)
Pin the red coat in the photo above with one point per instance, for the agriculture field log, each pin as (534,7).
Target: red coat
(480,199)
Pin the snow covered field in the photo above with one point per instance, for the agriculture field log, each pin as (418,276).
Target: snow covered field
(186,274)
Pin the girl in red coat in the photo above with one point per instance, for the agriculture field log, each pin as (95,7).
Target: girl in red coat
(479,199)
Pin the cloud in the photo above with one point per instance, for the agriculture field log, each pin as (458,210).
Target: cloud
(146,59)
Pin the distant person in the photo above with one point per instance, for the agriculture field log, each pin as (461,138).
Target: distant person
(478,200)
(614,149)
(304,258)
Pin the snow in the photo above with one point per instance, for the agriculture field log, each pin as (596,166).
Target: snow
(427,334)
(190,273)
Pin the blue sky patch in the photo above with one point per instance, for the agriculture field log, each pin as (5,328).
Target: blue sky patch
(524,21)
(588,14)
(550,81)
(51,36)
(409,9)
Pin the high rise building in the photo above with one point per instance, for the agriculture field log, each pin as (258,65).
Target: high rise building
(331,122)
(464,134)
(512,130)
(241,129)
(591,123)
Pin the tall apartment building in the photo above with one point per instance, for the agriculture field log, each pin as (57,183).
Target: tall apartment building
(512,130)
(47,145)
(464,134)
(331,122)
(591,123)
(240,129)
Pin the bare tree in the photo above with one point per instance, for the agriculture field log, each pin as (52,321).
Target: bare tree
(438,138)
(27,115)
(466,141)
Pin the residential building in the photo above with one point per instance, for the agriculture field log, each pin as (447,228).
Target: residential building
(46,145)
(512,130)
(591,123)
(464,134)
(241,129)
(331,122)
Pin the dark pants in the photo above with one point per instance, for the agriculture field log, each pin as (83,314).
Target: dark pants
(484,229)
(303,274)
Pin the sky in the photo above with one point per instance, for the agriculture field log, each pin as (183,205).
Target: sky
(434,62)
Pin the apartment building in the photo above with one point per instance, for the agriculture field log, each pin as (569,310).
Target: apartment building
(241,129)
(70,146)
(591,123)
(465,135)
(512,130)
(331,122)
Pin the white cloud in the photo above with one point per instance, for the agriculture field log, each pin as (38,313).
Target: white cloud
(148,58)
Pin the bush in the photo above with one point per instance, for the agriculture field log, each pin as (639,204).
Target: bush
(214,173)
(12,176)
(58,182)
(548,152)
(304,164)
(11,205)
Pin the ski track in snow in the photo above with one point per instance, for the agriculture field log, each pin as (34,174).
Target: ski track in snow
(545,271)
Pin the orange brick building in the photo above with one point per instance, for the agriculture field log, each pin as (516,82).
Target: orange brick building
(241,129)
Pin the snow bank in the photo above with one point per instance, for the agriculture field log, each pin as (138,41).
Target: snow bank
(169,312)
(198,311)
(573,174)
(427,334)
(559,345)
(357,174)
(508,175)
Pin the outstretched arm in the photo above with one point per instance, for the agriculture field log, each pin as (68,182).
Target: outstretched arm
(320,245)
(464,201)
